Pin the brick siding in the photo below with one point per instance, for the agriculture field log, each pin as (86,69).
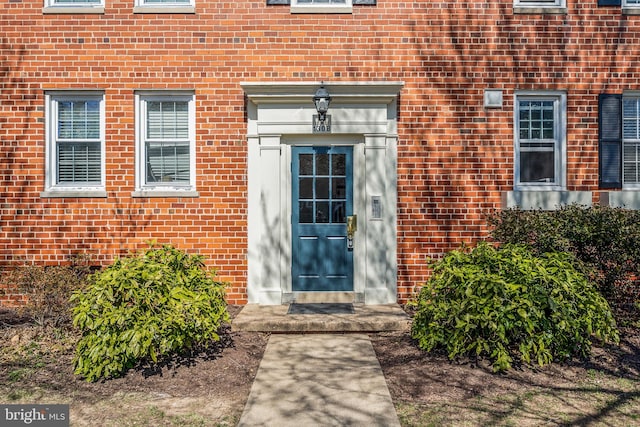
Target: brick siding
(454,156)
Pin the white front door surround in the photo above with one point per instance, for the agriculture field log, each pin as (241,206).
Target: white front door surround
(364,116)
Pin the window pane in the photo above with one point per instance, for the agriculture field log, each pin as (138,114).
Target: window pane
(631,162)
(76,2)
(79,119)
(631,118)
(322,1)
(168,162)
(167,119)
(79,162)
(306,188)
(322,188)
(338,212)
(338,188)
(166,1)
(338,164)
(537,166)
(306,164)
(322,164)
(305,212)
(322,212)
(536,119)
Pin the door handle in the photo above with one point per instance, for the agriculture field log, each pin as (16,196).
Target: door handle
(352,225)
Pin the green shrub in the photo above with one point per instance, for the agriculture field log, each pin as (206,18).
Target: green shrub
(48,289)
(606,239)
(146,307)
(505,303)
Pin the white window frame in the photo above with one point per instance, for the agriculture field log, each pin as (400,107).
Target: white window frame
(142,188)
(62,7)
(560,136)
(297,7)
(630,8)
(540,6)
(143,6)
(628,185)
(52,187)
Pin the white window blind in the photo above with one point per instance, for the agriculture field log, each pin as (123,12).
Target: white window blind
(75,2)
(78,143)
(631,140)
(167,143)
(163,2)
(320,2)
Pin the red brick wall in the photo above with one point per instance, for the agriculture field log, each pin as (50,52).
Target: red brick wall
(454,156)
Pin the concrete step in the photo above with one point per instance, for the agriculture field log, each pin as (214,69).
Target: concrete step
(321,318)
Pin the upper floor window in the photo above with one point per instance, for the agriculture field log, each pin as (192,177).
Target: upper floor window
(164,6)
(73,6)
(321,6)
(165,142)
(75,143)
(631,7)
(540,6)
(540,140)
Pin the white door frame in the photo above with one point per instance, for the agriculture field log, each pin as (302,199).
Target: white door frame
(364,115)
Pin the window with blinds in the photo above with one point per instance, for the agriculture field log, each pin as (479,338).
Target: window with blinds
(631,141)
(75,141)
(321,6)
(75,2)
(166,142)
(540,3)
(165,2)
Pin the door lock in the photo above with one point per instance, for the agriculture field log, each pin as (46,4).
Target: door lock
(352,227)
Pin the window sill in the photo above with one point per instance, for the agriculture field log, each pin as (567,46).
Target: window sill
(545,200)
(540,10)
(165,193)
(321,9)
(631,10)
(628,199)
(57,193)
(73,10)
(164,9)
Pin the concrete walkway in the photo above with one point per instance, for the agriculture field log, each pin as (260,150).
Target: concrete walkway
(319,380)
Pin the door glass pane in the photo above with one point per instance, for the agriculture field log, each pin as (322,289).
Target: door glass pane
(306,188)
(322,212)
(339,188)
(322,164)
(338,212)
(306,164)
(322,188)
(338,164)
(305,212)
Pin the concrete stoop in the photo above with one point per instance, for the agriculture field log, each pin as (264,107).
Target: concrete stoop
(321,318)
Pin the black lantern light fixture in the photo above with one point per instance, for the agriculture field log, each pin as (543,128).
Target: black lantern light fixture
(322,121)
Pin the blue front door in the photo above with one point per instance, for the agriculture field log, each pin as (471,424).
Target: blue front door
(322,191)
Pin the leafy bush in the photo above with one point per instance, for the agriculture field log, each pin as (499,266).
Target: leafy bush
(505,302)
(606,239)
(48,289)
(154,305)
